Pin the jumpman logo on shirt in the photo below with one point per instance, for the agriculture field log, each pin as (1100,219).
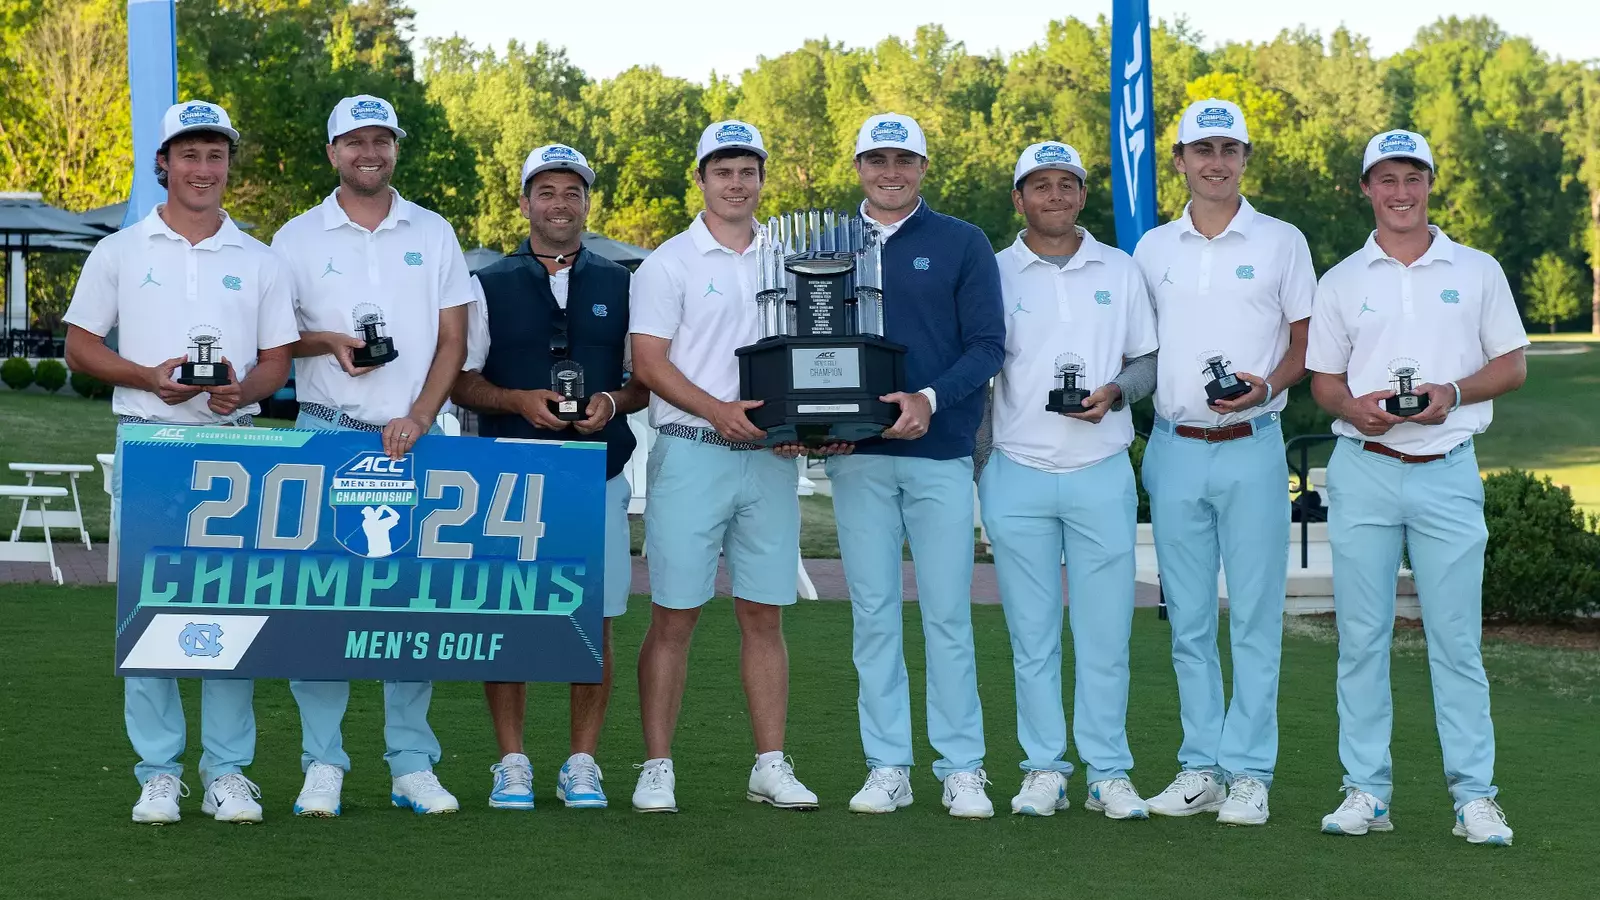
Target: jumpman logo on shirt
(330,270)
(149,278)
(1364,308)
(711,288)
(1019,309)
(1167,277)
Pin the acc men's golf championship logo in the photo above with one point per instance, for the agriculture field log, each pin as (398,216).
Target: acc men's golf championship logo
(891,130)
(1399,142)
(369,109)
(559,153)
(201,639)
(198,114)
(1052,153)
(735,134)
(373,499)
(1214,117)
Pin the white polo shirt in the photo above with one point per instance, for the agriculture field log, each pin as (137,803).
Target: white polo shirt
(411,267)
(1450,311)
(701,296)
(152,285)
(1096,307)
(1234,294)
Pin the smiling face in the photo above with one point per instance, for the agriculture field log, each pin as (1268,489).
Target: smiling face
(556,204)
(891,179)
(365,159)
(731,185)
(1212,167)
(1050,200)
(1399,189)
(196,166)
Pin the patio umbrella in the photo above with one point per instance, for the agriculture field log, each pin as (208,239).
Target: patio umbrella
(27,225)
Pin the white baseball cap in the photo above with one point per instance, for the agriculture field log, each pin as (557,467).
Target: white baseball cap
(1048,155)
(359,112)
(891,131)
(730,134)
(1212,118)
(1397,145)
(195,115)
(556,156)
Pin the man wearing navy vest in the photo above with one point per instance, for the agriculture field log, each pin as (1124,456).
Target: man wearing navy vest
(942,302)
(554,299)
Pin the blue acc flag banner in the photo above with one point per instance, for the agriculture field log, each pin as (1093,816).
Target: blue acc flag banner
(298,554)
(1133,150)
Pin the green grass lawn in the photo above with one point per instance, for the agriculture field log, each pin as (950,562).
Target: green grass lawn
(67,780)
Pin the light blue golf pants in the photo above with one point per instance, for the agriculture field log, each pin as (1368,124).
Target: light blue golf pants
(879,502)
(410,741)
(153,710)
(1225,502)
(1035,519)
(1434,510)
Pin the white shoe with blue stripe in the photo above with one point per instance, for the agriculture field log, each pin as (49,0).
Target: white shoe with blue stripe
(578,784)
(1483,822)
(1044,791)
(422,793)
(319,797)
(513,783)
(1116,798)
(1360,813)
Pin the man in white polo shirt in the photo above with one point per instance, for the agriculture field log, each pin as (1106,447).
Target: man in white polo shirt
(1060,484)
(185,269)
(1232,290)
(1414,305)
(367,252)
(711,490)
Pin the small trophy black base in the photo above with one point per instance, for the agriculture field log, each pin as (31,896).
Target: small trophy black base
(1228,387)
(375,353)
(821,390)
(193,374)
(570,409)
(1405,404)
(1066,400)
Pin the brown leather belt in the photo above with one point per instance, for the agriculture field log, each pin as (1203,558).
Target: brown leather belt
(1384,450)
(1216,435)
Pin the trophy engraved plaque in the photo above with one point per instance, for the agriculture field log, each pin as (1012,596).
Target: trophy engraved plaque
(204,367)
(370,328)
(566,379)
(1224,385)
(1403,375)
(822,362)
(1069,392)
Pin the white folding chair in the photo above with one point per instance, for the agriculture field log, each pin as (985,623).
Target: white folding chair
(29,551)
(62,518)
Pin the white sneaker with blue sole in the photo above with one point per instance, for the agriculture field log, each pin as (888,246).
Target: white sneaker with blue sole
(319,797)
(1483,822)
(513,783)
(1360,813)
(578,784)
(1043,793)
(1117,799)
(422,793)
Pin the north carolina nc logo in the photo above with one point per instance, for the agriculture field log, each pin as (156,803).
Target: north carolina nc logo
(373,499)
(1052,153)
(559,152)
(920,264)
(369,109)
(204,639)
(891,130)
(413,258)
(198,114)
(1451,296)
(232,282)
(599,309)
(1245,273)
(1399,142)
(735,133)
(1214,117)
(1102,297)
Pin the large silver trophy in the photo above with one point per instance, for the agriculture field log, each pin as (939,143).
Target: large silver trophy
(822,362)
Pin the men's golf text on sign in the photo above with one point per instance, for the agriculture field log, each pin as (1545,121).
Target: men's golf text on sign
(297,554)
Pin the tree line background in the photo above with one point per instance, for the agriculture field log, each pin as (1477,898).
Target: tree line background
(1516,133)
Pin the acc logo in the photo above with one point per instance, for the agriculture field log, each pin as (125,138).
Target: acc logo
(373,498)
(232,282)
(890,130)
(1451,296)
(413,258)
(599,309)
(920,264)
(169,434)
(1214,117)
(559,151)
(201,640)
(198,114)
(1245,272)
(369,109)
(735,133)
(1399,142)
(1102,297)
(826,354)
(1050,153)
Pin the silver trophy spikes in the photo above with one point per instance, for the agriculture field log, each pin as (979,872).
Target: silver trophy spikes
(818,231)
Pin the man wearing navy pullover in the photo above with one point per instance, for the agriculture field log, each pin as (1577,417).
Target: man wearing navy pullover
(942,302)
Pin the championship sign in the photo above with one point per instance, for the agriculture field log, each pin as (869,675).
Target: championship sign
(266,553)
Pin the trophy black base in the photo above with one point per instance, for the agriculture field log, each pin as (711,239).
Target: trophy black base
(193,374)
(821,390)
(1405,404)
(1234,389)
(375,353)
(570,410)
(1066,401)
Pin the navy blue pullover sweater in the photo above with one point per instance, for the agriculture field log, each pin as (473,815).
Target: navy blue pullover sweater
(941,300)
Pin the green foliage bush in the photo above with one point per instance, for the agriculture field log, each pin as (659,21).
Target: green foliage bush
(50,374)
(16,372)
(89,386)
(1543,559)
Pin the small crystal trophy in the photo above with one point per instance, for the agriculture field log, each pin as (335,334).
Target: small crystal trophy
(1405,402)
(204,367)
(370,328)
(566,379)
(1224,385)
(1069,393)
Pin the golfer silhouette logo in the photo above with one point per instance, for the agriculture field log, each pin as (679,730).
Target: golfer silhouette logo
(376,525)
(374,500)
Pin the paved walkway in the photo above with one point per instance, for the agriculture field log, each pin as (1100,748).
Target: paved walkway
(80,566)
